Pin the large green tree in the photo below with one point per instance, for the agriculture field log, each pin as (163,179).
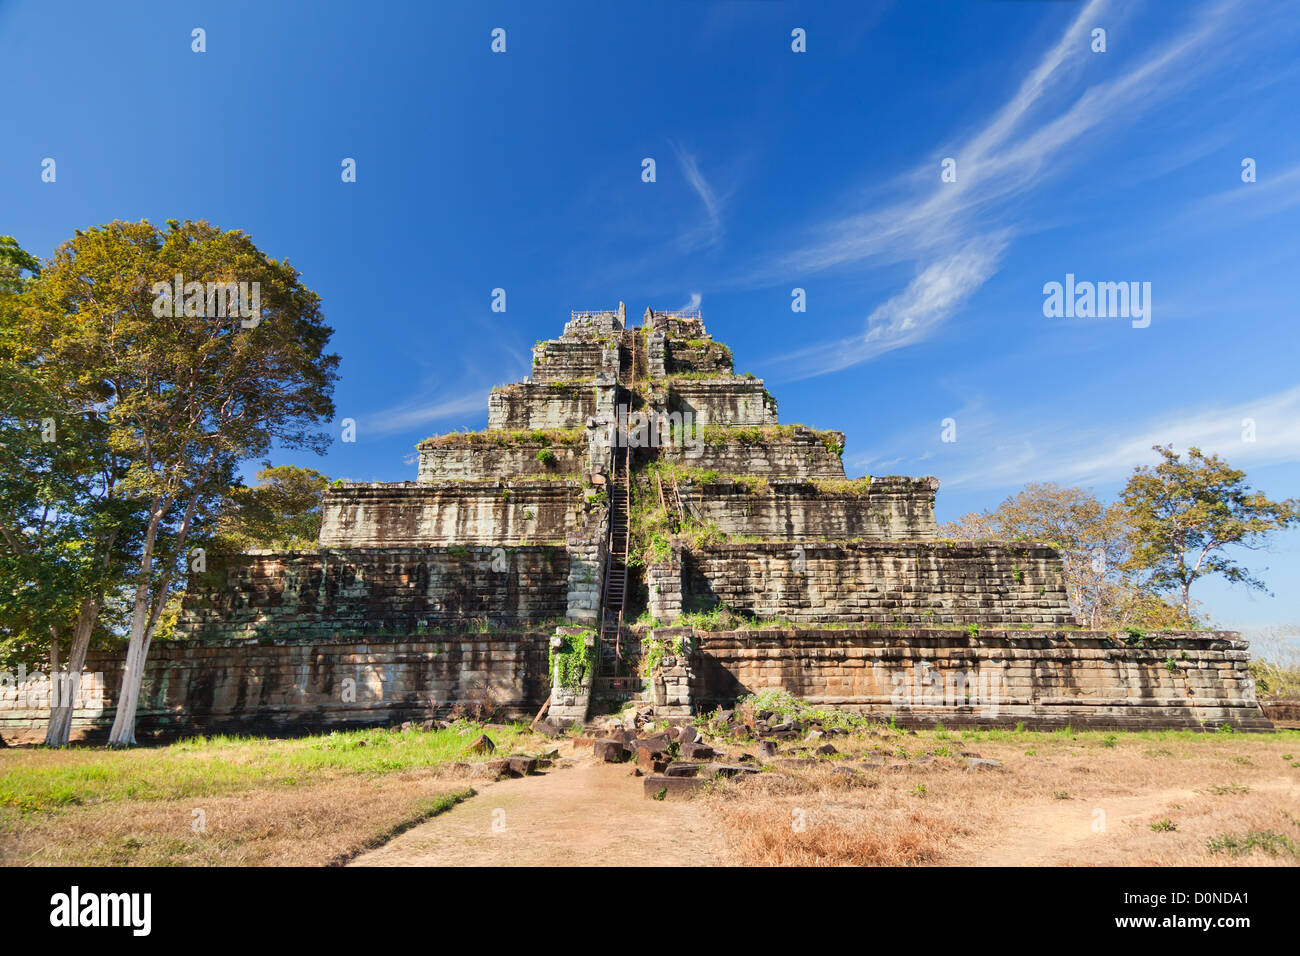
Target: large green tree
(1186,514)
(63,527)
(1094,539)
(187,387)
(283,510)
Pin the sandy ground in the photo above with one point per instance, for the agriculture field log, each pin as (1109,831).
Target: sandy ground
(587,814)
(1062,833)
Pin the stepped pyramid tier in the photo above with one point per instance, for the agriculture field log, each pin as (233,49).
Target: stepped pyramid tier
(635,488)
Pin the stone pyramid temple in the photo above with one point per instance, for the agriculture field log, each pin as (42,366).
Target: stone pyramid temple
(635,523)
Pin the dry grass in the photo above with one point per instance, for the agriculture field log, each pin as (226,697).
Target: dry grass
(819,818)
(230,801)
(312,825)
(1045,807)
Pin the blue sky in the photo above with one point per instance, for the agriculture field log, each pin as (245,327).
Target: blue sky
(775,170)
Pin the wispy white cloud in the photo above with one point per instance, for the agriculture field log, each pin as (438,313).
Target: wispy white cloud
(693,302)
(1004,452)
(1269,194)
(940,289)
(405,417)
(1036,133)
(710,231)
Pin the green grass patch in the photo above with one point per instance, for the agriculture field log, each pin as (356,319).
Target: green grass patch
(1268,842)
(38,780)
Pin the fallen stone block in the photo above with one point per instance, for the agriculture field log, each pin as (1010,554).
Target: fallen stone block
(825,750)
(673,788)
(977,763)
(656,744)
(482,744)
(680,768)
(547,729)
(797,762)
(521,766)
(766,748)
(650,762)
(492,769)
(688,735)
(691,751)
(609,750)
(725,770)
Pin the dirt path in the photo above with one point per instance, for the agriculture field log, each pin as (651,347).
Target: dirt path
(1064,833)
(588,814)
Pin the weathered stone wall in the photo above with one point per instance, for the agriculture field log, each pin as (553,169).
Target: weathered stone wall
(674,324)
(409,514)
(597,324)
(1043,679)
(696,355)
(801,454)
(445,462)
(721,401)
(587,553)
(320,595)
(300,687)
(792,510)
(527,405)
(884,582)
(656,347)
(673,683)
(564,360)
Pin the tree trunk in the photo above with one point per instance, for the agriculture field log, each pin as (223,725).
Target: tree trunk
(65,686)
(128,696)
(144,618)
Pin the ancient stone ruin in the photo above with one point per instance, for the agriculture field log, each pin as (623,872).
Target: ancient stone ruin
(635,523)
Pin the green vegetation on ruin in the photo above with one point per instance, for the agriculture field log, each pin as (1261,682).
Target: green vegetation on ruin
(716,352)
(570,665)
(699,376)
(668,471)
(655,649)
(761,435)
(507,439)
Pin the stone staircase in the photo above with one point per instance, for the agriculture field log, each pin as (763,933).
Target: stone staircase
(616,678)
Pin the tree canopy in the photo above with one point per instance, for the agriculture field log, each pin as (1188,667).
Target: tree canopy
(176,393)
